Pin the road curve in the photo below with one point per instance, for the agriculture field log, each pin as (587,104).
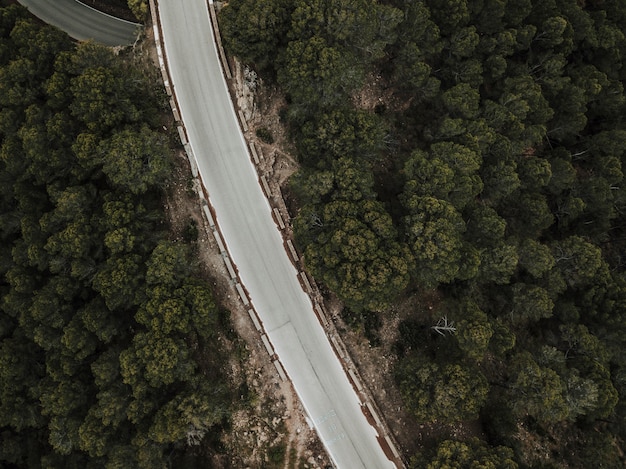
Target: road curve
(83,22)
(254,241)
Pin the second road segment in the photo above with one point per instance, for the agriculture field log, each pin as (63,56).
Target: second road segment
(82,22)
(255,244)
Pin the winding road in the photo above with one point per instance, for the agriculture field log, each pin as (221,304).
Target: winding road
(254,241)
(244,216)
(83,22)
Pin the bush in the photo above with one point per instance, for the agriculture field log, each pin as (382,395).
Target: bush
(191,231)
(265,135)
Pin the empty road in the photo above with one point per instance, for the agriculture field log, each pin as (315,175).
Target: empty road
(255,244)
(83,22)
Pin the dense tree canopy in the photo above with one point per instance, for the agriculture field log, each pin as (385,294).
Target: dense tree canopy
(444,393)
(99,312)
(492,162)
(351,242)
(451,454)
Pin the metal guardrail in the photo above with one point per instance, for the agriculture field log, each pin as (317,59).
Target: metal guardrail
(278,209)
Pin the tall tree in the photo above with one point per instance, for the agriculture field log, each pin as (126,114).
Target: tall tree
(473,331)
(135,161)
(313,67)
(474,453)
(441,393)
(256,31)
(434,233)
(350,242)
(579,261)
(537,390)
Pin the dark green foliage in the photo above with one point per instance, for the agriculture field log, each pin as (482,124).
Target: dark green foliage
(342,131)
(255,30)
(434,234)
(99,314)
(139,9)
(473,331)
(462,454)
(367,321)
(492,173)
(276,454)
(444,393)
(537,390)
(313,67)
(191,231)
(350,243)
(265,135)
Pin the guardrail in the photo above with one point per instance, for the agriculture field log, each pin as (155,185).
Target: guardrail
(283,222)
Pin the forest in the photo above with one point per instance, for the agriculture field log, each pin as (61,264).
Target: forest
(483,178)
(108,348)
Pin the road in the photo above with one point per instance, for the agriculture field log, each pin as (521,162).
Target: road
(254,241)
(83,22)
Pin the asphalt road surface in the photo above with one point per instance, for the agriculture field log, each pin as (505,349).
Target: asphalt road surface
(83,22)
(255,244)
